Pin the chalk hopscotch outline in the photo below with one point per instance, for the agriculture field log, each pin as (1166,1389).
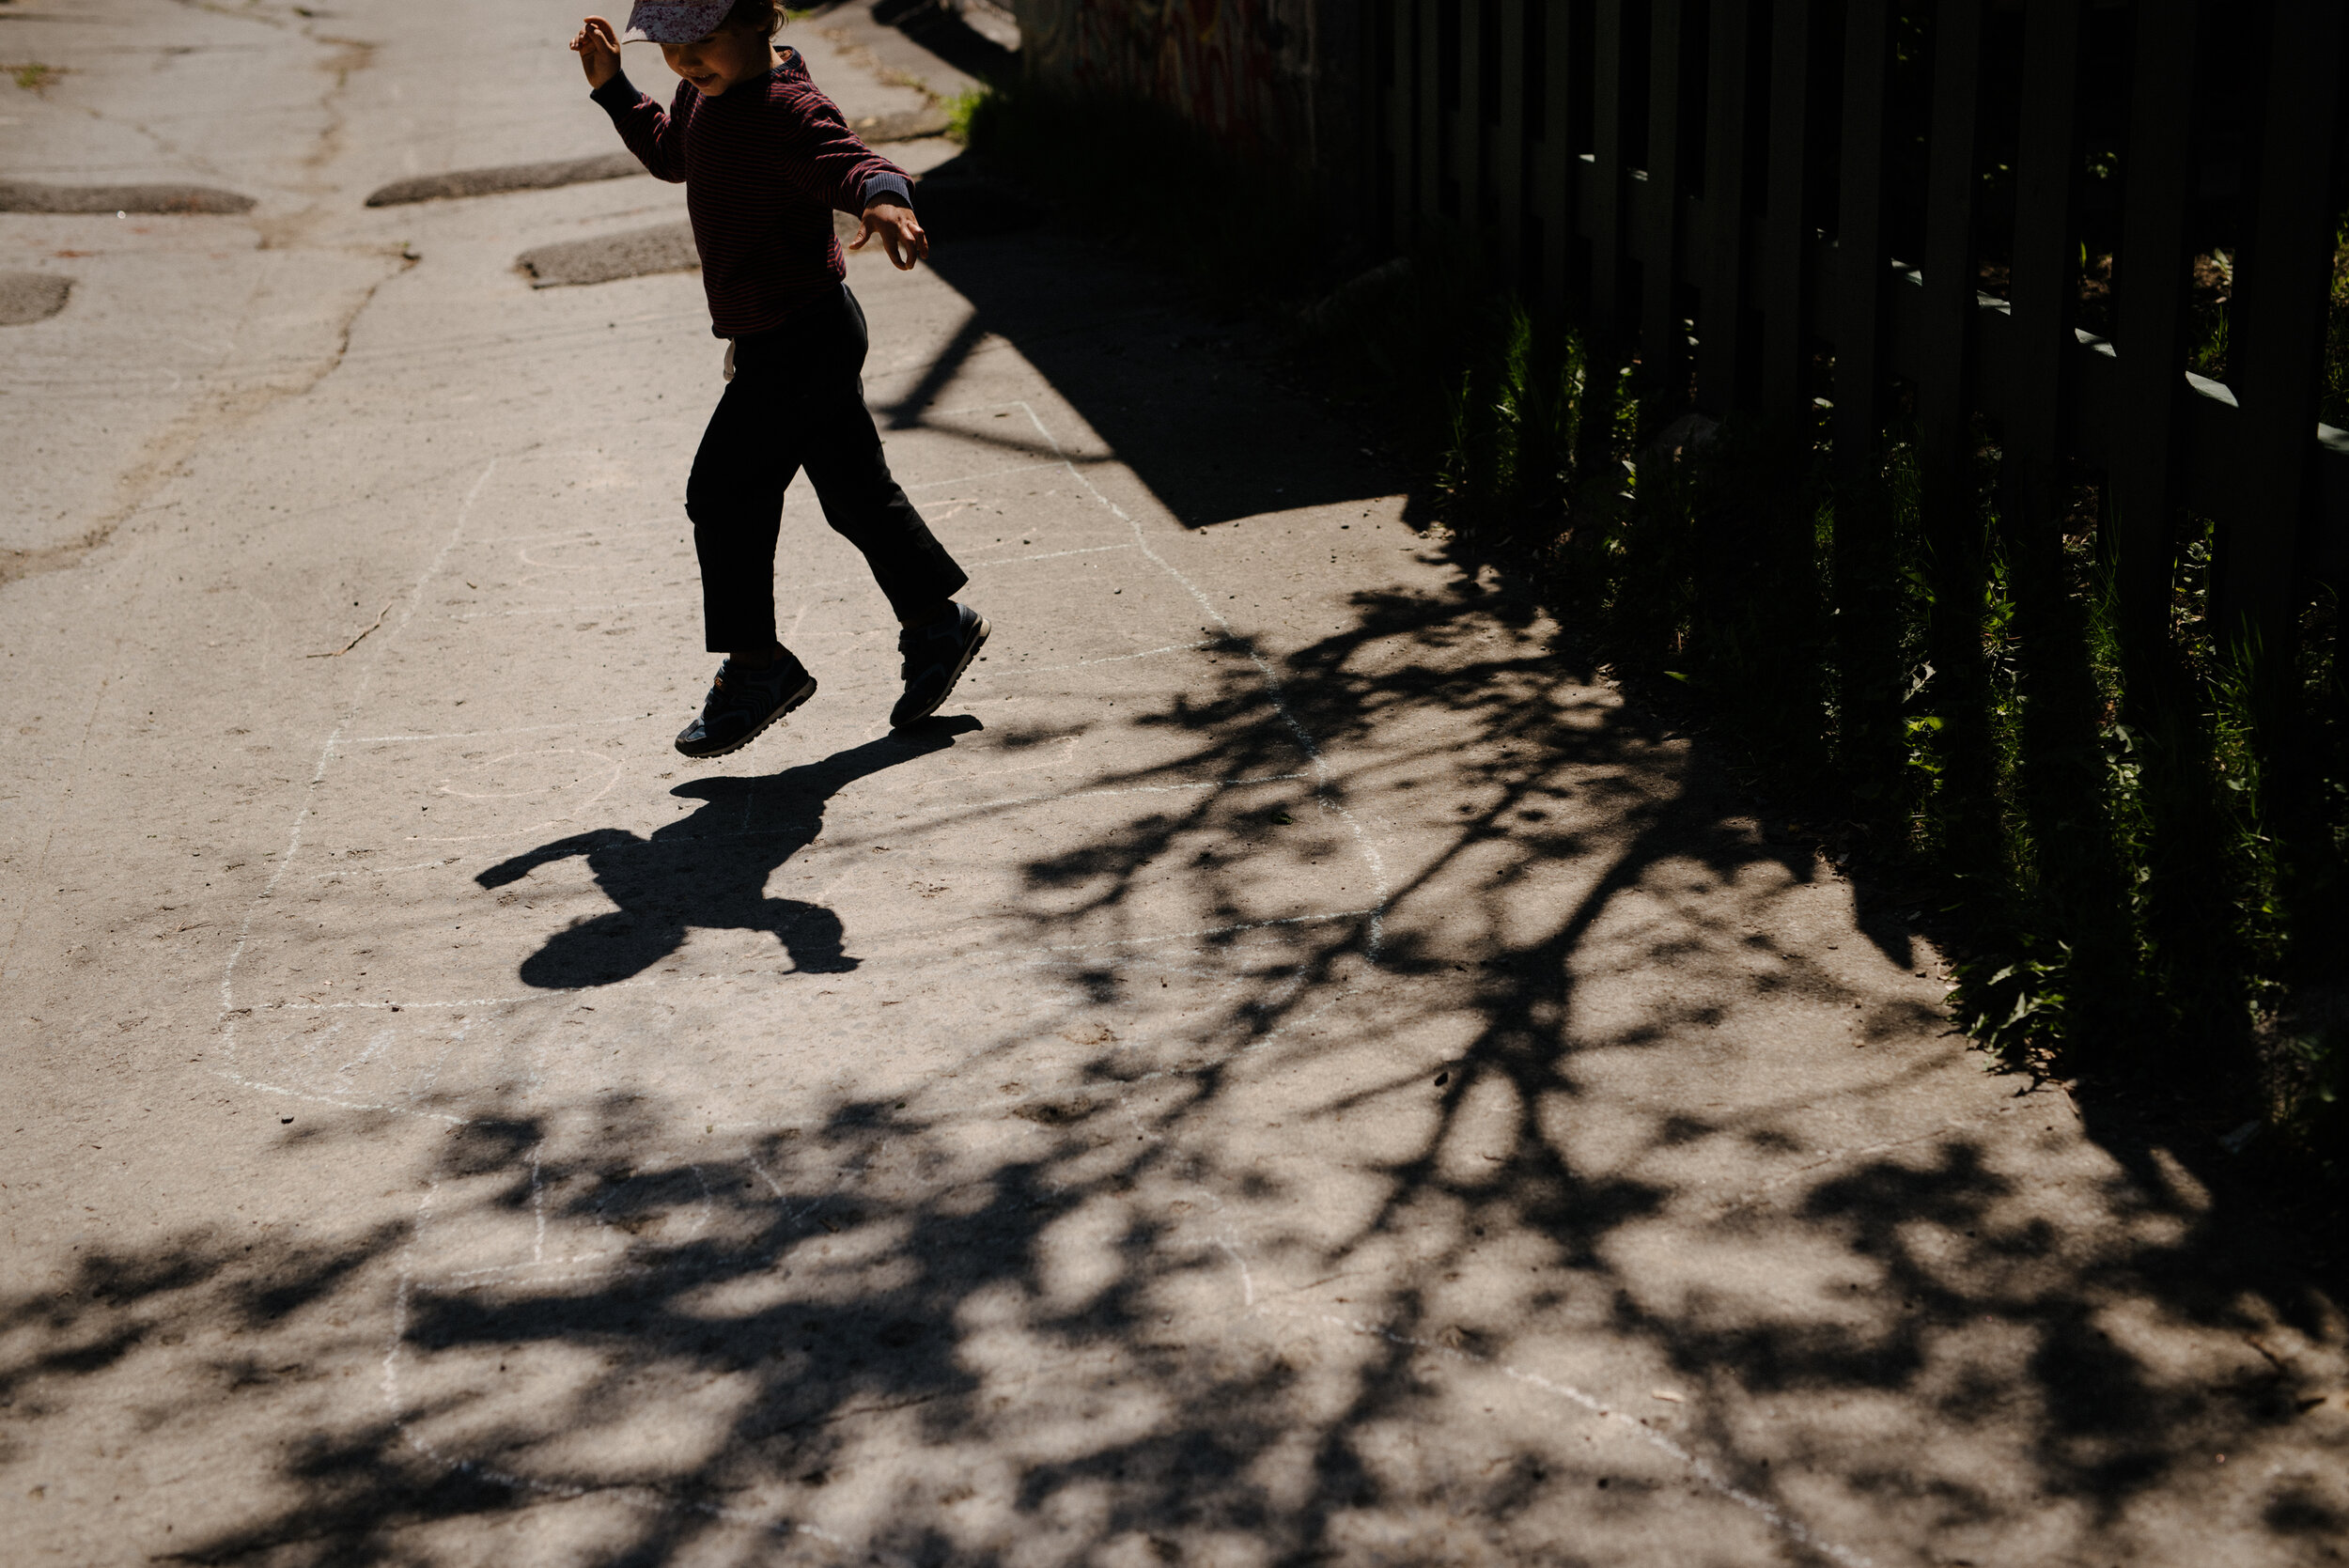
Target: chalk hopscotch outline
(652,1498)
(231,1014)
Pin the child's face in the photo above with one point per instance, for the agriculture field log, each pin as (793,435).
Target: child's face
(719,60)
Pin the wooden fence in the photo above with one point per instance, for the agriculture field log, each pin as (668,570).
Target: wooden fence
(1905,208)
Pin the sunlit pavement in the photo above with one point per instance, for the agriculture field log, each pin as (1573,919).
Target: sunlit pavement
(1286,1067)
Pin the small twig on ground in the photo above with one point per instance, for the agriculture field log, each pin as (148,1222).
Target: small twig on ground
(337,653)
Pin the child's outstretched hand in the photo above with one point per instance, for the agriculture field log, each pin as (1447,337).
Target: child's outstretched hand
(901,231)
(599,50)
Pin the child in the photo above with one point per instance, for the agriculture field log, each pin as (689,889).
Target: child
(765,159)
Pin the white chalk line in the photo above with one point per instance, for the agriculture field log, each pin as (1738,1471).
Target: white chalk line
(500,731)
(227,1019)
(605,608)
(663,524)
(421,1006)
(356,869)
(1130,789)
(262,1086)
(1247,1281)
(575,609)
(1215,931)
(538,1206)
(1048,555)
(344,1103)
(1114,658)
(987,474)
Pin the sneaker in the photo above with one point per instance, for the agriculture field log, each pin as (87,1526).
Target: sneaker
(742,703)
(936,655)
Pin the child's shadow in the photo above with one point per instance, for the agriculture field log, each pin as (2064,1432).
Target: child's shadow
(709,869)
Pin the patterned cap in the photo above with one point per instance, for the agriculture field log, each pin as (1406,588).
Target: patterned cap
(673,20)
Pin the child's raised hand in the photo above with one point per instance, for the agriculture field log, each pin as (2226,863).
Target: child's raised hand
(901,234)
(599,50)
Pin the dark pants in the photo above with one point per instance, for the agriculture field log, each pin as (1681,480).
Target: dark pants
(796,401)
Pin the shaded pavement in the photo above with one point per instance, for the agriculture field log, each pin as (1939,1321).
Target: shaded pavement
(1289,1068)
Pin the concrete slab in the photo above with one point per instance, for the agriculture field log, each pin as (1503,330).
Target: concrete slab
(1287,1067)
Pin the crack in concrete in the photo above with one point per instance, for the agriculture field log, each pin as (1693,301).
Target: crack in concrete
(164,455)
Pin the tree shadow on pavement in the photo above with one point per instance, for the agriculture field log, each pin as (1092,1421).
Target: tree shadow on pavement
(1385,1252)
(942,30)
(1037,1348)
(709,870)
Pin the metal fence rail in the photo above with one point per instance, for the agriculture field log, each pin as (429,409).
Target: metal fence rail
(1890,207)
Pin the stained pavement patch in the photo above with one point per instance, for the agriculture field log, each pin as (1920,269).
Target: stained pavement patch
(506,176)
(31,297)
(907,125)
(27,196)
(663,248)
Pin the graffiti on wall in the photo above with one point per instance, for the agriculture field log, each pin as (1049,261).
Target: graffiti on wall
(1239,69)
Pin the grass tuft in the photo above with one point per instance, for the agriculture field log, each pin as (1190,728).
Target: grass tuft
(961,110)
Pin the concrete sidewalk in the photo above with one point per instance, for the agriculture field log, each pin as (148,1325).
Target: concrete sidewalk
(1285,1068)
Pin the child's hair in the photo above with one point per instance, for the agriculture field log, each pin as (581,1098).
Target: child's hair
(753,16)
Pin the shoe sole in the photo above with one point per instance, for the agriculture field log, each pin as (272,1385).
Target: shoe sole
(758,729)
(969,654)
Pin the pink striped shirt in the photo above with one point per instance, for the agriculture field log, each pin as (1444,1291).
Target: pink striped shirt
(764,164)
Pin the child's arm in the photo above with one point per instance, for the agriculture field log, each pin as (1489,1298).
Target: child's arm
(832,165)
(529,860)
(642,123)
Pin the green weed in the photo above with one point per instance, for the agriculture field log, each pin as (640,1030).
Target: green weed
(961,110)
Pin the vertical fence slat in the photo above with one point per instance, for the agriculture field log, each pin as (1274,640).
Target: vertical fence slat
(1722,284)
(1857,319)
(2042,278)
(1468,121)
(2141,484)
(1403,121)
(1508,155)
(2282,281)
(1945,397)
(1428,54)
(1606,173)
(1663,341)
(1948,511)
(1785,281)
(1553,177)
